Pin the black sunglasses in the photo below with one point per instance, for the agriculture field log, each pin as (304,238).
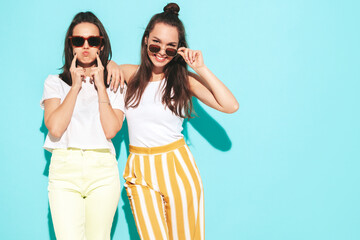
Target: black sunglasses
(78,41)
(171,52)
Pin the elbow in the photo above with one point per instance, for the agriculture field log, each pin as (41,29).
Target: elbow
(53,130)
(56,133)
(232,109)
(110,134)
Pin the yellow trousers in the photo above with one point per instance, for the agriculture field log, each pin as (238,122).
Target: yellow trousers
(84,191)
(165,192)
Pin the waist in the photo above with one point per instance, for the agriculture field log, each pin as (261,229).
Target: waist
(156,150)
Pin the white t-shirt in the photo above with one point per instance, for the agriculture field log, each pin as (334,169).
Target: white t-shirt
(152,124)
(84,130)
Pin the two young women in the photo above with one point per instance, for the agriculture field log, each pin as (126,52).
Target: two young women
(162,180)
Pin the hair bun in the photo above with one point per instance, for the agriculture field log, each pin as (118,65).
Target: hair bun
(172,8)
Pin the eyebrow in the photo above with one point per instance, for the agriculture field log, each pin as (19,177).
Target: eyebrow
(158,39)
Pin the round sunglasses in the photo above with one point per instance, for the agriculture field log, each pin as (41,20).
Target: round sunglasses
(171,52)
(78,41)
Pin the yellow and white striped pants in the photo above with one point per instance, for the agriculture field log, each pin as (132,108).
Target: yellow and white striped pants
(165,192)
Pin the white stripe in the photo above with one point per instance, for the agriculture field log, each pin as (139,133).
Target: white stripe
(191,181)
(141,160)
(130,166)
(154,182)
(201,206)
(184,205)
(202,216)
(145,212)
(134,209)
(162,229)
(170,193)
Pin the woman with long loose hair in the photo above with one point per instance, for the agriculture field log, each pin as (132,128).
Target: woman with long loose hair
(162,181)
(82,114)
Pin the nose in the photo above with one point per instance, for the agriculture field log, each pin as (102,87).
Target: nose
(162,50)
(86,44)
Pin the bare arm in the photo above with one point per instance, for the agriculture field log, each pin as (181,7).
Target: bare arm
(123,74)
(206,86)
(57,116)
(111,119)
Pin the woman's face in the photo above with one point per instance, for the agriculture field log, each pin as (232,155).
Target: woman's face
(165,36)
(86,54)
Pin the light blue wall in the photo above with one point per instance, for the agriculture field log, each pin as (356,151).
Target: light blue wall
(284,167)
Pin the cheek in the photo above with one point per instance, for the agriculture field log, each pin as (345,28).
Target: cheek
(77,51)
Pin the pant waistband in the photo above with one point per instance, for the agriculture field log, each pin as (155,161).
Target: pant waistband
(157,150)
(70,149)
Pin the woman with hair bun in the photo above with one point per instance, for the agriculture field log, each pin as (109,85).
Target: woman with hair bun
(162,181)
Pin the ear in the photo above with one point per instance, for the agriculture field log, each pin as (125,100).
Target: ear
(145,40)
(100,50)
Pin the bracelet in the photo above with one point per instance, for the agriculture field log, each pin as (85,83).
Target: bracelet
(104,102)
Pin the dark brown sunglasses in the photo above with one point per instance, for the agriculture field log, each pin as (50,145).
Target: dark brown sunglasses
(78,41)
(171,52)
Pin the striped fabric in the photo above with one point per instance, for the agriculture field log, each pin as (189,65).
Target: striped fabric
(165,192)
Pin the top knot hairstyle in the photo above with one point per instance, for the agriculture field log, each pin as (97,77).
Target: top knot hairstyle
(172,8)
(105,54)
(176,94)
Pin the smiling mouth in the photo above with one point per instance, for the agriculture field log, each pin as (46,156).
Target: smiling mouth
(159,58)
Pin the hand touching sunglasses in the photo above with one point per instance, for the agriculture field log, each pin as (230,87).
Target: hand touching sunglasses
(171,52)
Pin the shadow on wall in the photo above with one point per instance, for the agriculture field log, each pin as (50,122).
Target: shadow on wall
(207,127)
(123,136)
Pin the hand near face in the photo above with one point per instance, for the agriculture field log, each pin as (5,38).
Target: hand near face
(193,58)
(97,74)
(77,73)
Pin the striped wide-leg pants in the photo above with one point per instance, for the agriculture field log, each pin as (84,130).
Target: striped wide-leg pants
(165,192)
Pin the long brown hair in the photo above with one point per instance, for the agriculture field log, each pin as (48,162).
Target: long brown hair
(105,53)
(176,94)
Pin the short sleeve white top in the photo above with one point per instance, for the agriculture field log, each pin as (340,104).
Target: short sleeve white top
(84,130)
(151,123)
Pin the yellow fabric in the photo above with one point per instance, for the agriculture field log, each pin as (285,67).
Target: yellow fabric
(165,192)
(84,191)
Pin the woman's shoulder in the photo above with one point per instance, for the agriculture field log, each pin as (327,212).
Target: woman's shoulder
(53,79)
(129,70)
(129,67)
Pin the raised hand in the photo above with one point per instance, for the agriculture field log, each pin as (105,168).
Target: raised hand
(193,58)
(97,74)
(77,73)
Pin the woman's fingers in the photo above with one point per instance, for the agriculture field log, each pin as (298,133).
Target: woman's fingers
(99,64)
(122,82)
(117,81)
(73,63)
(184,53)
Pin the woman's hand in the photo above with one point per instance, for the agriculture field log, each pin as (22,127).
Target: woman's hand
(115,76)
(97,74)
(193,58)
(77,74)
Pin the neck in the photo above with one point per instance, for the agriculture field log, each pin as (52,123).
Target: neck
(87,67)
(157,74)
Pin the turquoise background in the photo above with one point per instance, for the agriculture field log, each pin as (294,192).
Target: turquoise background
(284,167)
